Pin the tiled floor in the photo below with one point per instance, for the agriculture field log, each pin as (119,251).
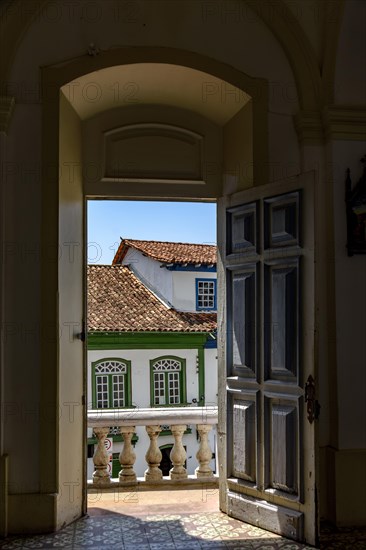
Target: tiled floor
(163,520)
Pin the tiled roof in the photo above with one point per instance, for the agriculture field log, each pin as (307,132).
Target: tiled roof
(118,301)
(168,252)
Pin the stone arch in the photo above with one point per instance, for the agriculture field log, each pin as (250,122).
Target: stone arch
(276,16)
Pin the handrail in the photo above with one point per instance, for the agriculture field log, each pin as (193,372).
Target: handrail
(154,415)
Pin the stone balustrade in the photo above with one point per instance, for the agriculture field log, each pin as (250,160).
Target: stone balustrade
(204,418)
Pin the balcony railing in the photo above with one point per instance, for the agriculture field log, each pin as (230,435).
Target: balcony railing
(127,419)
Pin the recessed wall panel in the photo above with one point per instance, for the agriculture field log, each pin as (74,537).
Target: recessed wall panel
(153,151)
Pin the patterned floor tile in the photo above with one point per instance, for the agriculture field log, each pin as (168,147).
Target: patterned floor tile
(167,545)
(241,545)
(12,544)
(188,531)
(209,545)
(189,543)
(69,547)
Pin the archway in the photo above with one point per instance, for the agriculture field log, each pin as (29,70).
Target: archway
(170,121)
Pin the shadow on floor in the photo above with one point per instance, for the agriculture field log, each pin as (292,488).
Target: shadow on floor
(196,531)
(177,531)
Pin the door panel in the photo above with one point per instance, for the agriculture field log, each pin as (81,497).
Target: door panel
(282,443)
(281,320)
(244,321)
(244,437)
(266,354)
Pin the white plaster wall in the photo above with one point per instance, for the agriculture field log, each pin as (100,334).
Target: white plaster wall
(282,168)
(184,288)
(350,74)
(21,328)
(238,148)
(350,281)
(159,279)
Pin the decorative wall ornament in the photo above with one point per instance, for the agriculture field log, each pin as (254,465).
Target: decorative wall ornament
(356,213)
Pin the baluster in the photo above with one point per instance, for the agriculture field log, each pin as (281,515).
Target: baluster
(153,456)
(178,454)
(127,456)
(101,458)
(204,453)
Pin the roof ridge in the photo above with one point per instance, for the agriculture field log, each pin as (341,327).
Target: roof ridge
(165,242)
(107,265)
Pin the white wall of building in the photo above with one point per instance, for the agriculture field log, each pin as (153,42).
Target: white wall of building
(178,288)
(158,279)
(211,376)
(140,384)
(184,288)
(140,371)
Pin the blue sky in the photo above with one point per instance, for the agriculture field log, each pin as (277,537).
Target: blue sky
(148,220)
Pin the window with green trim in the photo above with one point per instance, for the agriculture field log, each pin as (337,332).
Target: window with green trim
(111,384)
(168,381)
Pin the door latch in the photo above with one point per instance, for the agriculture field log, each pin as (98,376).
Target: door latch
(312,405)
(82,335)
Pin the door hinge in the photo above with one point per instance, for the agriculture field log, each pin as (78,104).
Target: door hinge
(312,405)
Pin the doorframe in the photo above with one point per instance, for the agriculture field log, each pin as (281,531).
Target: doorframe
(53,78)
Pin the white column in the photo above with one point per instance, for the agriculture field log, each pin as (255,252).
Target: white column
(127,456)
(204,453)
(178,454)
(153,456)
(101,458)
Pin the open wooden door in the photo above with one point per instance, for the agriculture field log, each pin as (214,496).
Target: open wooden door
(71,501)
(266,357)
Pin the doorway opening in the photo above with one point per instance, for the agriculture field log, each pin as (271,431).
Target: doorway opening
(209,157)
(152,260)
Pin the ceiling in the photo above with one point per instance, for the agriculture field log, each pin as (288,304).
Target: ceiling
(155,83)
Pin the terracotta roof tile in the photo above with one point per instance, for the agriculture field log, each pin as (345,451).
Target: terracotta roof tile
(118,301)
(168,252)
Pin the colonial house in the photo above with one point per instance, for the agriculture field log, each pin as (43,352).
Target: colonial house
(182,274)
(142,351)
(256,105)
